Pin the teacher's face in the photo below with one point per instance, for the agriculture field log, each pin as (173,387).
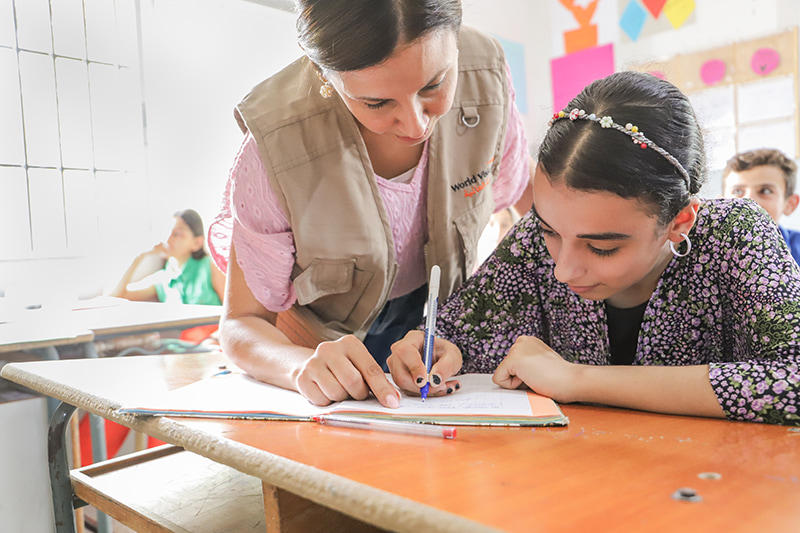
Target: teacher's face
(407,94)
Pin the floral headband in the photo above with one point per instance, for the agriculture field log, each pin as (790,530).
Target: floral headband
(629,129)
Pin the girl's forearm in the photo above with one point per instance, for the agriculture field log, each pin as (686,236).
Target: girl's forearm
(683,390)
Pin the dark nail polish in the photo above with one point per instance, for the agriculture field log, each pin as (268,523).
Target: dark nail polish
(458,386)
(420,380)
(449,390)
(436,379)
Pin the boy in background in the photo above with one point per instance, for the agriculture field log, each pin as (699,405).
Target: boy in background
(767,177)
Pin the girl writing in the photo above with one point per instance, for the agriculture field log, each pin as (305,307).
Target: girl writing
(622,287)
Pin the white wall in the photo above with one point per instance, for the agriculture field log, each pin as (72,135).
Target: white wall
(200,58)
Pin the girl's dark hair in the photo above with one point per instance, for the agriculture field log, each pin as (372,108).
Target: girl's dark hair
(195,223)
(585,156)
(342,35)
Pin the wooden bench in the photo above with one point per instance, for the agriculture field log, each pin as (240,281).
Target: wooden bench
(167,489)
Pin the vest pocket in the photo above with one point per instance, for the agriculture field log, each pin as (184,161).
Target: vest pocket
(331,287)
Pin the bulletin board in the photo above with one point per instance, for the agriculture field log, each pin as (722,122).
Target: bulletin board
(745,94)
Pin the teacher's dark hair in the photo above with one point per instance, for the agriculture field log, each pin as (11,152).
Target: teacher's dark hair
(343,35)
(195,223)
(585,156)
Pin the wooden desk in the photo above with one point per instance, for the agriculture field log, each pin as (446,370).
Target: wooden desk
(47,328)
(609,470)
(42,330)
(15,338)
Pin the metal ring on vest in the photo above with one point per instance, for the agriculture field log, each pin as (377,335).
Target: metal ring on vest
(476,119)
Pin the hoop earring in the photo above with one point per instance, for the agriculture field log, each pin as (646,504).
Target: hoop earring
(688,247)
(325,90)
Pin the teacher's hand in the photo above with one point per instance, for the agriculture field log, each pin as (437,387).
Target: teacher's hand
(408,369)
(344,369)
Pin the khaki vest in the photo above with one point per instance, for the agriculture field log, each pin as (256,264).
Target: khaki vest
(319,168)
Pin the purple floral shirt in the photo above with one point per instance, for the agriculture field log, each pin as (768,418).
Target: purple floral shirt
(732,303)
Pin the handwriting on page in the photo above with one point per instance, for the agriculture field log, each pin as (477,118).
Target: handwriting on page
(478,400)
(478,395)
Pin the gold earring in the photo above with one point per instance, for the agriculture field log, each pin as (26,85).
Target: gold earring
(325,90)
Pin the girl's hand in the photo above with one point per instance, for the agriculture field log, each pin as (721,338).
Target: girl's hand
(408,368)
(533,363)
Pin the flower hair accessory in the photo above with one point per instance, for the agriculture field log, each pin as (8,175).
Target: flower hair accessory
(628,129)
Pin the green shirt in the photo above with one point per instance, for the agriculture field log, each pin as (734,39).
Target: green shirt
(190,284)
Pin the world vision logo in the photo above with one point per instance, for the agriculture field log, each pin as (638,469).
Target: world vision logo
(475,183)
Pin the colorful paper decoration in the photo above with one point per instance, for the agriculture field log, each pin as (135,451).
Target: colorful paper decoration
(586,35)
(632,20)
(654,6)
(765,60)
(712,71)
(571,73)
(677,11)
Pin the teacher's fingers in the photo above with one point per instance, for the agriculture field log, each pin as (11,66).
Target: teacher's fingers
(368,376)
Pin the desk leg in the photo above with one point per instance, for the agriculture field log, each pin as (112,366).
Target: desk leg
(60,484)
(99,452)
(48,353)
(285,512)
(75,441)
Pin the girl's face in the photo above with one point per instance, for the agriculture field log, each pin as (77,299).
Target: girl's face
(407,94)
(182,242)
(605,247)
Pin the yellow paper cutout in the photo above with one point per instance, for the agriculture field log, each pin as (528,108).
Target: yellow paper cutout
(677,11)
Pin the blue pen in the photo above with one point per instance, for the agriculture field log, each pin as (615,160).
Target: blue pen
(430,325)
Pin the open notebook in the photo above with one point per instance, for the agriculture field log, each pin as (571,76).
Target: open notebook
(479,402)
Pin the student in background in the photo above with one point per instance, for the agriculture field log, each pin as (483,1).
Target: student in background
(621,286)
(382,151)
(187,274)
(767,177)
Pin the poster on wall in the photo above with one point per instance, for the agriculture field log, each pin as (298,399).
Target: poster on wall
(715,112)
(515,57)
(780,134)
(779,92)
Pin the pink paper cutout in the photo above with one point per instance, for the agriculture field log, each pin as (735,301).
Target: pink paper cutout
(765,60)
(571,73)
(712,71)
(658,74)
(654,6)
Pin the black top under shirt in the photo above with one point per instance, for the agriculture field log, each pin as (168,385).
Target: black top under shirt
(623,332)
